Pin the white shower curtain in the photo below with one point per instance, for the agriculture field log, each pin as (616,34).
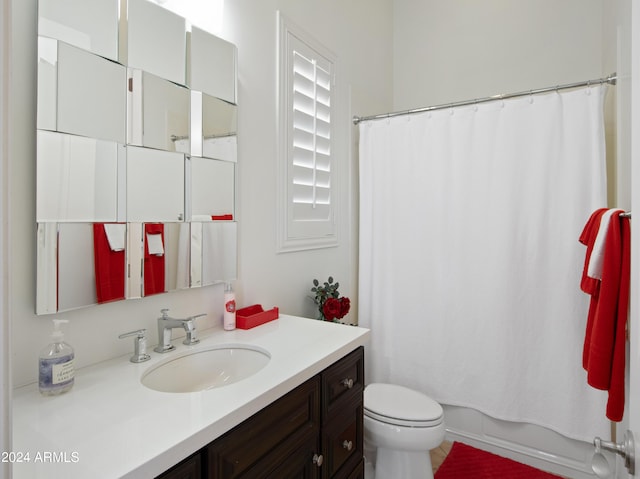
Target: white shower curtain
(469,256)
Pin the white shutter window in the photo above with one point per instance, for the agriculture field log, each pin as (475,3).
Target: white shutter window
(308,196)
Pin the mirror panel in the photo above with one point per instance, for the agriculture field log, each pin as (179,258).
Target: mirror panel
(92,26)
(76,267)
(213,252)
(47,108)
(219,129)
(196,254)
(47,268)
(154,268)
(155,185)
(212,189)
(159,114)
(79,264)
(156,41)
(91,95)
(135,255)
(166,257)
(76,178)
(219,253)
(207,54)
(109,250)
(177,241)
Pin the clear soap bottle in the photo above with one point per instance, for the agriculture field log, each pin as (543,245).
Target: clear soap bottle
(56,372)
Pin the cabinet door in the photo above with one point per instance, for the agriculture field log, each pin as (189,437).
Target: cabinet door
(358,472)
(342,441)
(269,437)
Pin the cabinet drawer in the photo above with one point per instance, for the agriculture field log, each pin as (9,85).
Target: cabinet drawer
(342,382)
(342,441)
(291,419)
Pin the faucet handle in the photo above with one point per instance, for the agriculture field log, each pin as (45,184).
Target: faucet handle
(164,312)
(190,328)
(139,345)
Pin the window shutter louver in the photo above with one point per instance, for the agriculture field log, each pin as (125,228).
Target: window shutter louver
(311,158)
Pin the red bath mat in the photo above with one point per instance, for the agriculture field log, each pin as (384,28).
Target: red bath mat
(466,462)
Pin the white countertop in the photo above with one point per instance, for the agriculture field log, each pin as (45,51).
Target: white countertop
(110,425)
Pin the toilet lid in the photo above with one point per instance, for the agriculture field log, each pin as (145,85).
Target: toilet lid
(401,406)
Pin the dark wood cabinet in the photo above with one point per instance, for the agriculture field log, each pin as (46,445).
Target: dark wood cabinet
(270,437)
(342,415)
(190,468)
(314,432)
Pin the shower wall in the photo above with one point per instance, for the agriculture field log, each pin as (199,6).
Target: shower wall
(451,51)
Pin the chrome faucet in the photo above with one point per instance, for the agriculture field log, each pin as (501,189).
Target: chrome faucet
(166,324)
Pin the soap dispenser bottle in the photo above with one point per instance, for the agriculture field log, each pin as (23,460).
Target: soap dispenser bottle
(56,372)
(229,316)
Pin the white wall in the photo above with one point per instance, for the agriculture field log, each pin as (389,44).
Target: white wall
(362,43)
(5,324)
(358,32)
(447,51)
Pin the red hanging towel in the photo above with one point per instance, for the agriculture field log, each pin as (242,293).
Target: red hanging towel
(589,285)
(615,404)
(605,337)
(109,267)
(154,269)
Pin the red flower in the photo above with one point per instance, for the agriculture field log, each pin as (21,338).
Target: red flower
(331,309)
(345,305)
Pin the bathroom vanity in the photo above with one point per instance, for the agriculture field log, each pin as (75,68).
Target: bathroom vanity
(301,414)
(314,431)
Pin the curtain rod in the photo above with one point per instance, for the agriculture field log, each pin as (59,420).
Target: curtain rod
(611,80)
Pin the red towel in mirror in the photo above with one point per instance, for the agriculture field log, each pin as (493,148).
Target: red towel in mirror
(154,264)
(109,267)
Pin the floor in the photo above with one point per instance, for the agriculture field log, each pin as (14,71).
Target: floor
(439,454)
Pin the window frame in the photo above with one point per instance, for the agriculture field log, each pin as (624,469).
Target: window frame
(295,234)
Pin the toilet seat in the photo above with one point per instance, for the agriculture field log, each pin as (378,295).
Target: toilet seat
(400,406)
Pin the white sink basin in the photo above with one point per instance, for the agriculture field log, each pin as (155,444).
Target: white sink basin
(207,368)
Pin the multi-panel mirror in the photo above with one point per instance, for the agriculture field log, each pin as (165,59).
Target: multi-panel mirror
(136,154)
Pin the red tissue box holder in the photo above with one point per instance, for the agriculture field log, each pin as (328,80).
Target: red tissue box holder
(252,316)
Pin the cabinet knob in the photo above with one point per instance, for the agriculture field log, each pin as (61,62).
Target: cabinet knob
(348,445)
(318,459)
(347,383)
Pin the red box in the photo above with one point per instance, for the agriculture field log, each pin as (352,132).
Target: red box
(252,316)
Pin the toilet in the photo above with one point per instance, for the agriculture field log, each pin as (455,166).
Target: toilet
(400,427)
